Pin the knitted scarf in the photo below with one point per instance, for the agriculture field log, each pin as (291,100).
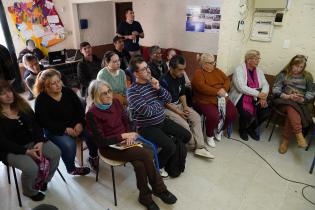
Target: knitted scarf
(247,99)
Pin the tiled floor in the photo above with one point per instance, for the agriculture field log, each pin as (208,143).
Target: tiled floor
(236,180)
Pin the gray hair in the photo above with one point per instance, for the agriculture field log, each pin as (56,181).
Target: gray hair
(206,58)
(153,49)
(251,54)
(94,88)
(27,58)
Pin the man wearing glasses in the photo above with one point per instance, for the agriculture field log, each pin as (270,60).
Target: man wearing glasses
(146,99)
(157,66)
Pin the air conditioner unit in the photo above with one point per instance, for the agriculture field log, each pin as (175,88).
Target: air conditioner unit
(271,4)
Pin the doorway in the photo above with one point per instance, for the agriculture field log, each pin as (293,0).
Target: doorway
(120,11)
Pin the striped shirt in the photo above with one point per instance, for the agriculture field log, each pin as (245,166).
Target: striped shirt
(147,104)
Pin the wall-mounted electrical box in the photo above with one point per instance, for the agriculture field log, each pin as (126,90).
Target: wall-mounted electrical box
(262,26)
(271,4)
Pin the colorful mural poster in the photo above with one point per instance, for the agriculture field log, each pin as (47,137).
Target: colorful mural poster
(37,20)
(203,19)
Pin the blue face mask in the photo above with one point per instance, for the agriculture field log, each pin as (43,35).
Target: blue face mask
(103,106)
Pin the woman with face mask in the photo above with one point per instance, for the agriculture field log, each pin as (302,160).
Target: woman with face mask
(293,90)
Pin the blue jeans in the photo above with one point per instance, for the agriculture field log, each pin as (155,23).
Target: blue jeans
(68,147)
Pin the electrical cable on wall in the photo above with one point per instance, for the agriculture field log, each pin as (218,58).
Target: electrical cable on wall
(289,180)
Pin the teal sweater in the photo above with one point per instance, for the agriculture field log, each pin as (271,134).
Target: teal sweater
(118,82)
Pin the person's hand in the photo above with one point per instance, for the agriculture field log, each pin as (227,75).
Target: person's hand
(263,103)
(262,95)
(33,153)
(183,115)
(155,84)
(71,132)
(221,92)
(78,128)
(129,138)
(136,33)
(299,99)
(39,147)
(132,37)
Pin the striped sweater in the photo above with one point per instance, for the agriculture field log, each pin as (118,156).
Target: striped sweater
(147,104)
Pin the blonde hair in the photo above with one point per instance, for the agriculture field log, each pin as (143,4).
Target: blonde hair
(251,54)
(43,80)
(296,60)
(19,104)
(94,89)
(206,58)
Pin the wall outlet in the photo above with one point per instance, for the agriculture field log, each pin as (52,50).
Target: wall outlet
(241,25)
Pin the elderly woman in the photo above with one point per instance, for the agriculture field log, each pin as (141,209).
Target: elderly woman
(249,93)
(211,85)
(23,143)
(107,131)
(60,112)
(293,90)
(115,76)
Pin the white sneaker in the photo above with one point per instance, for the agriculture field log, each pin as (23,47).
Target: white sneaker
(218,136)
(163,173)
(210,141)
(204,153)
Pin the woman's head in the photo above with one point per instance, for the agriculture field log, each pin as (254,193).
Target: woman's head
(207,62)
(296,65)
(100,92)
(252,58)
(48,81)
(9,97)
(111,60)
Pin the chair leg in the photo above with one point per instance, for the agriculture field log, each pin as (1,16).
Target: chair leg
(61,175)
(17,187)
(312,167)
(309,143)
(273,128)
(8,172)
(229,130)
(97,170)
(114,186)
(268,121)
(79,153)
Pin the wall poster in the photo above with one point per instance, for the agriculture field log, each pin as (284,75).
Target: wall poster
(37,20)
(203,19)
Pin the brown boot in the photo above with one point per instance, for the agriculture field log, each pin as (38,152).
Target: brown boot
(301,140)
(283,148)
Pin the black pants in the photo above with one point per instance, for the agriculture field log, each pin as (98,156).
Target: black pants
(249,121)
(159,135)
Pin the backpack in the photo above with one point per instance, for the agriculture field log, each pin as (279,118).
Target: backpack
(176,164)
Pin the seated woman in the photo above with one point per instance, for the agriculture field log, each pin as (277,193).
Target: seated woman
(249,93)
(61,114)
(115,76)
(210,85)
(293,92)
(23,143)
(104,109)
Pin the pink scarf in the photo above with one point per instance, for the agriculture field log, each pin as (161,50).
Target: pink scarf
(247,99)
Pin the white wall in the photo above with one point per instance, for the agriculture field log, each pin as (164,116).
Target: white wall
(164,23)
(100,16)
(298,27)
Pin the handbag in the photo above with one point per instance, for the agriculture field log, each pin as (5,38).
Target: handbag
(43,172)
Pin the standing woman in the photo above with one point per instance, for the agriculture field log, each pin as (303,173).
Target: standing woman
(294,91)
(209,84)
(23,142)
(60,112)
(249,93)
(115,76)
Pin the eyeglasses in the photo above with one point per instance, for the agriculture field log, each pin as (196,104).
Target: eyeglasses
(144,69)
(212,63)
(106,93)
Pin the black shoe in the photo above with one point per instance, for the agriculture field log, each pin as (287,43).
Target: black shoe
(94,162)
(44,187)
(80,171)
(151,206)
(38,197)
(243,135)
(253,134)
(167,197)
